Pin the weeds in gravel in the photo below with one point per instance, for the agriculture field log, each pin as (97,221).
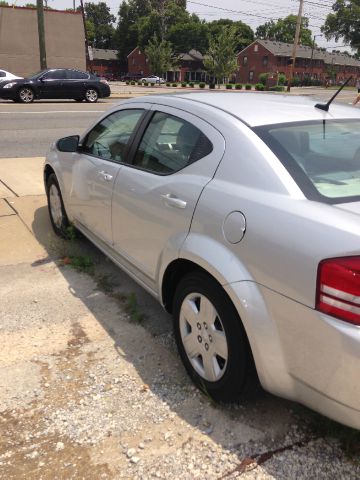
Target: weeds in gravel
(348,438)
(104,283)
(71,233)
(132,308)
(81,263)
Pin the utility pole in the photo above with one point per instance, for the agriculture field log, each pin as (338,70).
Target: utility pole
(41,29)
(312,55)
(296,41)
(86,35)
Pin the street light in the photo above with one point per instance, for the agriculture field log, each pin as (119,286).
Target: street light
(312,54)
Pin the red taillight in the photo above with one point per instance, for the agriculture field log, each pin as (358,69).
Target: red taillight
(338,288)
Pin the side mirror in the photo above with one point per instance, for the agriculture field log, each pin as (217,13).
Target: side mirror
(68,144)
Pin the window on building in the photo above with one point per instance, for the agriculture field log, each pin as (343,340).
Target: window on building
(251,76)
(245,61)
(265,60)
(256,48)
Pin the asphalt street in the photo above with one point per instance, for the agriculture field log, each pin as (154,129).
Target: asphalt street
(29,130)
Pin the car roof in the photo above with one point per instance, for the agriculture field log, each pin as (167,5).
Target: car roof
(257,109)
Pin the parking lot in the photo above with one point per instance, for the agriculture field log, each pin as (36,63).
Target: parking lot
(92,384)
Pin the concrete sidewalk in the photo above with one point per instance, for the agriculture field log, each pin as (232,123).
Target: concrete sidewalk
(21,195)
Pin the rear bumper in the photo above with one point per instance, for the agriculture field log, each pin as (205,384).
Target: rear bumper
(302,354)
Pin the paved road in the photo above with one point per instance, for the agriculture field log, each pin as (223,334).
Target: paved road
(28,130)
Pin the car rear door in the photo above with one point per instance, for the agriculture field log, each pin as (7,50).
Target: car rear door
(96,166)
(155,195)
(75,83)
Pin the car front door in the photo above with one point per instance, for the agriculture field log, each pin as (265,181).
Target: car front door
(95,168)
(155,196)
(51,84)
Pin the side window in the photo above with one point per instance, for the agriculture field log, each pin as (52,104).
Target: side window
(55,75)
(2,74)
(109,138)
(245,60)
(170,144)
(76,75)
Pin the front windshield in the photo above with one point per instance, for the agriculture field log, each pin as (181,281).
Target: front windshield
(322,156)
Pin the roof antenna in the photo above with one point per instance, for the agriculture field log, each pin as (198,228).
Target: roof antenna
(325,106)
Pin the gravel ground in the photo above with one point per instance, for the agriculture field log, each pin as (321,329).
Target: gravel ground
(88,393)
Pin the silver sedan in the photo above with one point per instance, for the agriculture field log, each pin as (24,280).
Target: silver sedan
(240,214)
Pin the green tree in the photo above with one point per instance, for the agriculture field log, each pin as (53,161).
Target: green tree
(188,36)
(220,59)
(100,22)
(3,3)
(159,53)
(344,23)
(243,33)
(126,34)
(283,30)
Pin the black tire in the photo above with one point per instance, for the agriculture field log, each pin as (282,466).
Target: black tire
(25,95)
(239,380)
(91,95)
(59,226)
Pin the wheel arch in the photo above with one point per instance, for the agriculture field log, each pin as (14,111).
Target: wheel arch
(48,170)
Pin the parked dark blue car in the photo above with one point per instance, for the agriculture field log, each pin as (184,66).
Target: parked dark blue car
(56,83)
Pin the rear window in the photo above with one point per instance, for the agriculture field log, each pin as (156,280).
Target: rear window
(323,156)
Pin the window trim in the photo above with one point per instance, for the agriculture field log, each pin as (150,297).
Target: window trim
(298,175)
(138,127)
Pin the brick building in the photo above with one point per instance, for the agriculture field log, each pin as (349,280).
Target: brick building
(267,56)
(190,66)
(104,62)
(19,40)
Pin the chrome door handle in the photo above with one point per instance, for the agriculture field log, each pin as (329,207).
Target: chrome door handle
(173,201)
(106,176)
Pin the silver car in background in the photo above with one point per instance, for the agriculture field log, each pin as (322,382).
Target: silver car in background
(240,213)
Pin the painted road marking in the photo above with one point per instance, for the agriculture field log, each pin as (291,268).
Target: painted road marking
(54,111)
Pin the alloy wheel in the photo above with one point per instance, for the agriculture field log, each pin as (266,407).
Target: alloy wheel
(26,95)
(91,95)
(55,206)
(203,337)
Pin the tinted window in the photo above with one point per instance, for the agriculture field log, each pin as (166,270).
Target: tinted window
(2,74)
(55,75)
(109,138)
(76,75)
(170,144)
(323,157)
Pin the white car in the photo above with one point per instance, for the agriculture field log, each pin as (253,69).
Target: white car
(153,79)
(4,76)
(241,215)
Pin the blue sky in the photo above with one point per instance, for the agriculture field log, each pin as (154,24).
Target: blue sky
(252,12)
